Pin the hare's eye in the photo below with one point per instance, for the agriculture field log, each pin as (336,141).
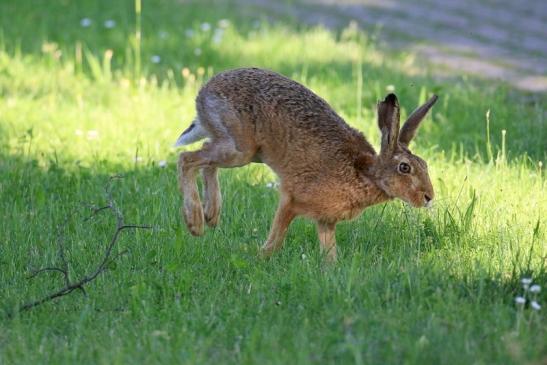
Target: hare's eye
(404,168)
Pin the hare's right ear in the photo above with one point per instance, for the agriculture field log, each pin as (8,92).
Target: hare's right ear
(388,122)
(413,122)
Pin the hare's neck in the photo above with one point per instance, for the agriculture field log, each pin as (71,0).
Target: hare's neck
(371,194)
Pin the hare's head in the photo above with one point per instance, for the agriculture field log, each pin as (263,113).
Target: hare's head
(398,172)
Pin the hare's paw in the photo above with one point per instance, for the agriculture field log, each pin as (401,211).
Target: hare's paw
(212,212)
(267,249)
(330,256)
(193,216)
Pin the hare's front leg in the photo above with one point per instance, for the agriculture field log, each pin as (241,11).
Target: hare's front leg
(283,217)
(211,196)
(327,239)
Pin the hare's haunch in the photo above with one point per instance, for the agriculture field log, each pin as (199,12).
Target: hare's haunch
(327,170)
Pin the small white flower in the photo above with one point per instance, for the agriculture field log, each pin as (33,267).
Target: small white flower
(224,23)
(535,288)
(78,132)
(205,27)
(163,34)
(85,22)
(162,163)
(155,59)
(197,51)
(217,36)
(526,282)
(390,88)
(92,134)
(270,185)
(109,23)
(189,33)
(304,256)
(520,300)
(535,305)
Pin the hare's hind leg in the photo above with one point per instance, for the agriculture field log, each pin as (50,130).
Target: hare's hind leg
(211,196)
(191,210)
(232,144)
(214,154)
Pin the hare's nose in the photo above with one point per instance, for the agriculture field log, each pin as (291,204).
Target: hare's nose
(427,198)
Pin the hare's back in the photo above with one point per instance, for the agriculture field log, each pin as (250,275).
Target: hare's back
(266,96)
(293,128)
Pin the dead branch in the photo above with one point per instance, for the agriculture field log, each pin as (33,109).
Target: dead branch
(107,257)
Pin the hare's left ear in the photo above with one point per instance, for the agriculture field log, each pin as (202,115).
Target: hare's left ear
(388,122)
(408,131)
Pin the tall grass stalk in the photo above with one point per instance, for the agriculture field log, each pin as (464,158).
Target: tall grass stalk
(138,36)
(78,58)
(488,144)
(503,150)
(359,93)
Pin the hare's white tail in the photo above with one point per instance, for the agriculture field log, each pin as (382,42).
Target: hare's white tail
(192,134)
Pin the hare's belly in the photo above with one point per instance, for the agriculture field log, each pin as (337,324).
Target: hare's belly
(328,210)
(331,206)
(339,200)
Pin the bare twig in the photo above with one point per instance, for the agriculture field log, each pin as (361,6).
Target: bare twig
(36,272)
(107,258)
(95,211)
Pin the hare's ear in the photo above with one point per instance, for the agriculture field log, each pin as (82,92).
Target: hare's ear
(413,122)
(388,122)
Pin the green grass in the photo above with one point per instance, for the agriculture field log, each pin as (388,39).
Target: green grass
(411,286)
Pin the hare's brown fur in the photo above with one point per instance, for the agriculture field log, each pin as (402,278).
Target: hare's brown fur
(327,170)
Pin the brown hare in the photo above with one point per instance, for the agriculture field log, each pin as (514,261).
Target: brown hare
(328,171)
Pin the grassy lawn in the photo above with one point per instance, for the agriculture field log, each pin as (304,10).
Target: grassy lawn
(78,105)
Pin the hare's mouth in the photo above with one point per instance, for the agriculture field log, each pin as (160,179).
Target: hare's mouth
(428,201)
(423,202)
